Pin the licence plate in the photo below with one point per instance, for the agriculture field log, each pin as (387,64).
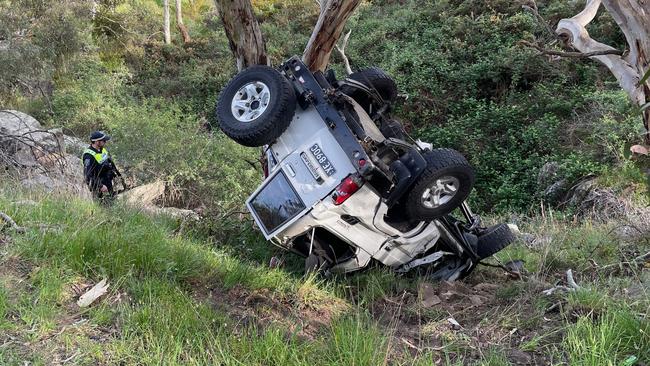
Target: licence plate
(322,159)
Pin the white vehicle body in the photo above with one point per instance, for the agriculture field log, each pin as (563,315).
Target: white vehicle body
(292,156)
(342,185)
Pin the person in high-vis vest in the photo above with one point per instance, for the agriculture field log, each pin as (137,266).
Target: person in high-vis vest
(99,169)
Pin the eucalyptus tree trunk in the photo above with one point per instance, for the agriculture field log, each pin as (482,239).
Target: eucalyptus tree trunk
(179,23)
(633,18)
(243,32)
(328,29)
(166,30)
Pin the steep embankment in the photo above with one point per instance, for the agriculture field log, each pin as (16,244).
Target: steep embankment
(176,298)
(203,293)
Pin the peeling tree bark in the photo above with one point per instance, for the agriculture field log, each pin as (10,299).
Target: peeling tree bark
(243,32)
(334,14)
(179,23)
(247,44)
(633,17)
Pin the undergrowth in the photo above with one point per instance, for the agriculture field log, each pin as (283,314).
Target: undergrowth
(179,299)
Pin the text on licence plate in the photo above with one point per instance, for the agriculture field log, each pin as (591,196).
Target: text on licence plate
(324,162)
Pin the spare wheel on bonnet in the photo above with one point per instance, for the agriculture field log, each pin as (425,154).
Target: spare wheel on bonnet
(256,106)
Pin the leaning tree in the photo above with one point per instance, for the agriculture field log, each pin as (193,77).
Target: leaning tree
(630,67)
(247,43)
(633,17)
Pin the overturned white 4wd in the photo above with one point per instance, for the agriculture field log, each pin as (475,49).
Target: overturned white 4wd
(344,182)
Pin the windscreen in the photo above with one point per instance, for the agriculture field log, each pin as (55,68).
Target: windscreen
(276,203)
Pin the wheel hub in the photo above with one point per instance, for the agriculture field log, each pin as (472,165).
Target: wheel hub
(250,101)
(440,192)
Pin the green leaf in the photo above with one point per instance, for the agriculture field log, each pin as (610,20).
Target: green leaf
(644,107)
(626,150)
(630,361)
(645,77)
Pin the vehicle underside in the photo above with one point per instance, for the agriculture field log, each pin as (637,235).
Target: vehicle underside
(344,183)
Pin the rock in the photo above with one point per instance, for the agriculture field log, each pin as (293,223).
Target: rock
(454,324)
(514,229)
(518,357)
(93,294)
(450,296)
(599,203)
(150,195)
(40,181)
(145,195)
(37,157)
(550,183)
(15,122)
(548,174)
(516,266)
(580,191)
(74,145)
(528,238)
(427,295)
(476,300)
(556,191)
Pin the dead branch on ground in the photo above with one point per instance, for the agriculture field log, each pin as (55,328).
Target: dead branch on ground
(573,286)
(7,219)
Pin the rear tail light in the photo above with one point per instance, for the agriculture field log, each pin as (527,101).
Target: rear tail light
(346,189)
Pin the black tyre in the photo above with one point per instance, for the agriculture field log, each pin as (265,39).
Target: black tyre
(256,106)
(315,264)
(444,185)
(393,128)
(373,77)
(493,240)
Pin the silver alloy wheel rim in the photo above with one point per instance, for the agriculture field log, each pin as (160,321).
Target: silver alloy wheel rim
(250,101)
(440,192)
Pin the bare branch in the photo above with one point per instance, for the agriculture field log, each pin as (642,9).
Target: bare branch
(569,279)
(11,222)
(341,50)
(532,8)
(546,51)
(573,32)
(573,286)
(327,32)
(552,290)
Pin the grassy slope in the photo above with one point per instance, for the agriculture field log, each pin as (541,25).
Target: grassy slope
(182,301)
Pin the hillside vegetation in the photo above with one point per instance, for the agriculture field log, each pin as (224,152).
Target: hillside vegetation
(469,84)
(203,293)
(176,298)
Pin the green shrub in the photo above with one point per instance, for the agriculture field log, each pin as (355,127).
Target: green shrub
(470,86)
